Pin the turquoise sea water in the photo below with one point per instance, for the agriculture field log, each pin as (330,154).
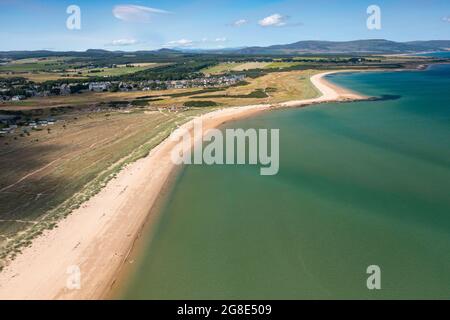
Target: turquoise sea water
(444,54)
(363,183)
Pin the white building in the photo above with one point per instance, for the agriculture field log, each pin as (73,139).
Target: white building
(99,86)
(17,98)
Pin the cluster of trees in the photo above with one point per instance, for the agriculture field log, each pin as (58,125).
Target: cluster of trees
(78,88)
(200,104)
(14,81)
(177,71)
(16,86)
(257,94)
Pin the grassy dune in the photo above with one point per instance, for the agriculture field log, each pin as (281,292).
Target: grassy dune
(47,175)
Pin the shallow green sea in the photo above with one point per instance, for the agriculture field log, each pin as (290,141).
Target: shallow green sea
(364,183)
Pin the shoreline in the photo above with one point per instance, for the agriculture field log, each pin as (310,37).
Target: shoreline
(100,235)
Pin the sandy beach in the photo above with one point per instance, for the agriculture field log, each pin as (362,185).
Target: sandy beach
(98,237)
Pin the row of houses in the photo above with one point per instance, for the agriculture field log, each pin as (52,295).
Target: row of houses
(11,124)
(206,82)
(162,85)
(67,89)
(13,98)
(40,123)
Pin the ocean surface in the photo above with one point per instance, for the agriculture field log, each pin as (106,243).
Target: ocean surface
(444,54)
(360,184)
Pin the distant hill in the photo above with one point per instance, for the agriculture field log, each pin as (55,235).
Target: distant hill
(90,53)
(374,46)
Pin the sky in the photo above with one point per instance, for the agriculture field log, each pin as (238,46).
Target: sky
(211,24)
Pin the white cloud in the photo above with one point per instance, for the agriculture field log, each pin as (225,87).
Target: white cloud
(134,13)
(275,20)
(239,23)
(446,19)
(180,43)
(192,43)
(123,42)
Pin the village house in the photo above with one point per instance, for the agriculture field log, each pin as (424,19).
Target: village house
(17,98)
(99,86)
(65,89)
(31,92)
(5,131)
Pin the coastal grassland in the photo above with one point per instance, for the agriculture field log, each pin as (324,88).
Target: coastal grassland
(273,87)
(234,66)
(282,65)
(291,63)
(48,174)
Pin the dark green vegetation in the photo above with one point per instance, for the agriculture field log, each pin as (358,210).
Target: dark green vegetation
(200,104)
(258,94)
(177,71)
(181,94)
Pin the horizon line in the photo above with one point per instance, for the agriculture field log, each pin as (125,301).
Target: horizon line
(181,49)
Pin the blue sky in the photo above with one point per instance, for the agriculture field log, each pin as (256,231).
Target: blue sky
(153,24)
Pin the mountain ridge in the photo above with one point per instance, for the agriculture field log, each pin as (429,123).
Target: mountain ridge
(368,46)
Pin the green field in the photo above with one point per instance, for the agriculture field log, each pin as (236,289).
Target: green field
(40,70)
(34,65)
(112,72)
(244,66)
(282,65)
(234,66)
